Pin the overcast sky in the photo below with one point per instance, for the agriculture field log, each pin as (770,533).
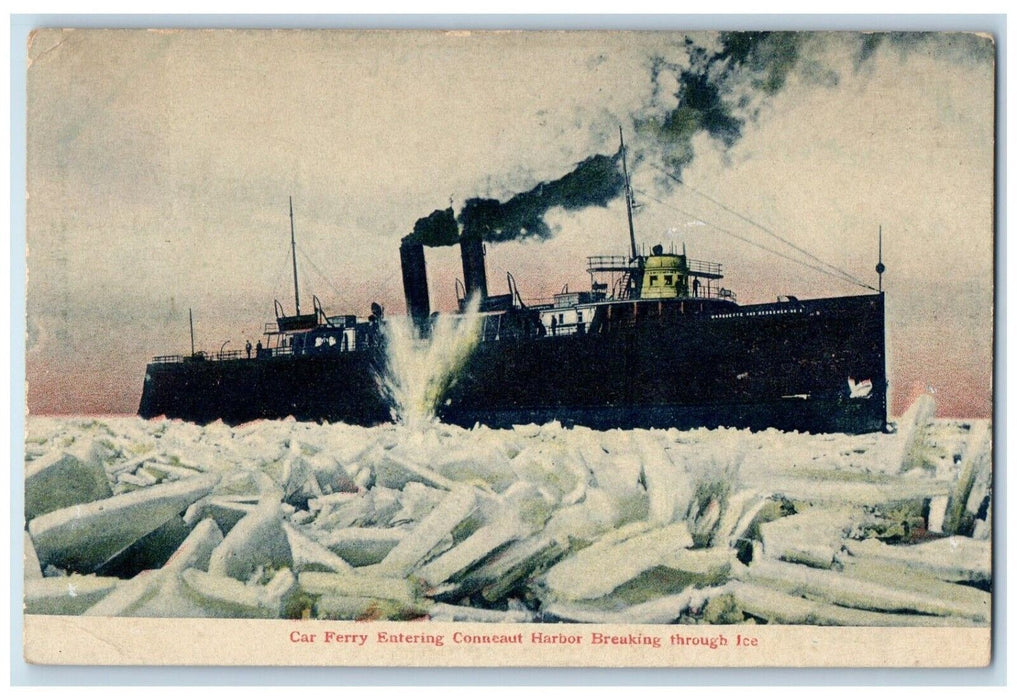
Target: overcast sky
(160,164)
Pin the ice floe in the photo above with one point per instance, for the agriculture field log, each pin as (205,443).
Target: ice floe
(535,524)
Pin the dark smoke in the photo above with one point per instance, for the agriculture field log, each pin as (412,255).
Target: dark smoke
(721,84)
(714,89)
(594,182)
(951,46)
(439,228)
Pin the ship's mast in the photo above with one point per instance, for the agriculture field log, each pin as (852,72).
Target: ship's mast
(293,244)
(628,195)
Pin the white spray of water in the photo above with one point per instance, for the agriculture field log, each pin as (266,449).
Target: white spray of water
(419,370)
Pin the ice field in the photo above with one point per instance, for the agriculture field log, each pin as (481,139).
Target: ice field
(540,523)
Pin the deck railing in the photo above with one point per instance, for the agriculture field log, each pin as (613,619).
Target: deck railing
(202,356)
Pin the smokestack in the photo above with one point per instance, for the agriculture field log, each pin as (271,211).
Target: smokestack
(418,303)
(474,270)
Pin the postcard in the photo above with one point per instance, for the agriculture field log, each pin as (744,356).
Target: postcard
(476,348)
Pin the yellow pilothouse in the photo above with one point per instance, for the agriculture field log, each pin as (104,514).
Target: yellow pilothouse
(674,276)
(665,276)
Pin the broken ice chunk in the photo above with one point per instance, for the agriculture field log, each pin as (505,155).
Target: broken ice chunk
(362,546)
(66,595)
(777,607)
(737,504)
(84,536)
(473,549)
(256,541)
(344,607)
(357,585)
(224,596)
(330,475)
(139,478)
(908,450)
(616,562)
(395,471)
(702,523)
(668,487)
(812,538)
(59,480)
(129,596)
(321,503)
(226,511)
(902,577)
(950,559)
(528,503)
(456,506)
(975,470)
(597,513)
(847,591)
(32,567)
(937,513)
(148,552)
(196,551)
(513,566)
(477,460)
(659,611)
(553,470)
(308,555)
(416,501)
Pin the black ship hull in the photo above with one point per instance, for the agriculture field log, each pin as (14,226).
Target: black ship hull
(789,365)
(335,388)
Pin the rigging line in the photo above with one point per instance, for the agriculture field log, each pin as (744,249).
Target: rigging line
(754,243)
(763,228)
(321,274)
(277,282)
(383,285)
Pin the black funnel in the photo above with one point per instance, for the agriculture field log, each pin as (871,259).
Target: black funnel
(418,303)
(474,270)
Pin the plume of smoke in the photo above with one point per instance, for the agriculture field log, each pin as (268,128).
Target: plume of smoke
(720,83)
(950,46)
(715,89)
(439,228)
(594,182)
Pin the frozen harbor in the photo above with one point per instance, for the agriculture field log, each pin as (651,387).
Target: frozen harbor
(126,517)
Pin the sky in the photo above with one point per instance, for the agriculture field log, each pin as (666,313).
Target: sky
(160,165)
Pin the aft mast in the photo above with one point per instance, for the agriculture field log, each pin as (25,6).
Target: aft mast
(296,322)
(293,245)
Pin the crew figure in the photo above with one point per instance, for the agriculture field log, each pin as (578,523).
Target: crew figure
(258,349)
(248,348)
